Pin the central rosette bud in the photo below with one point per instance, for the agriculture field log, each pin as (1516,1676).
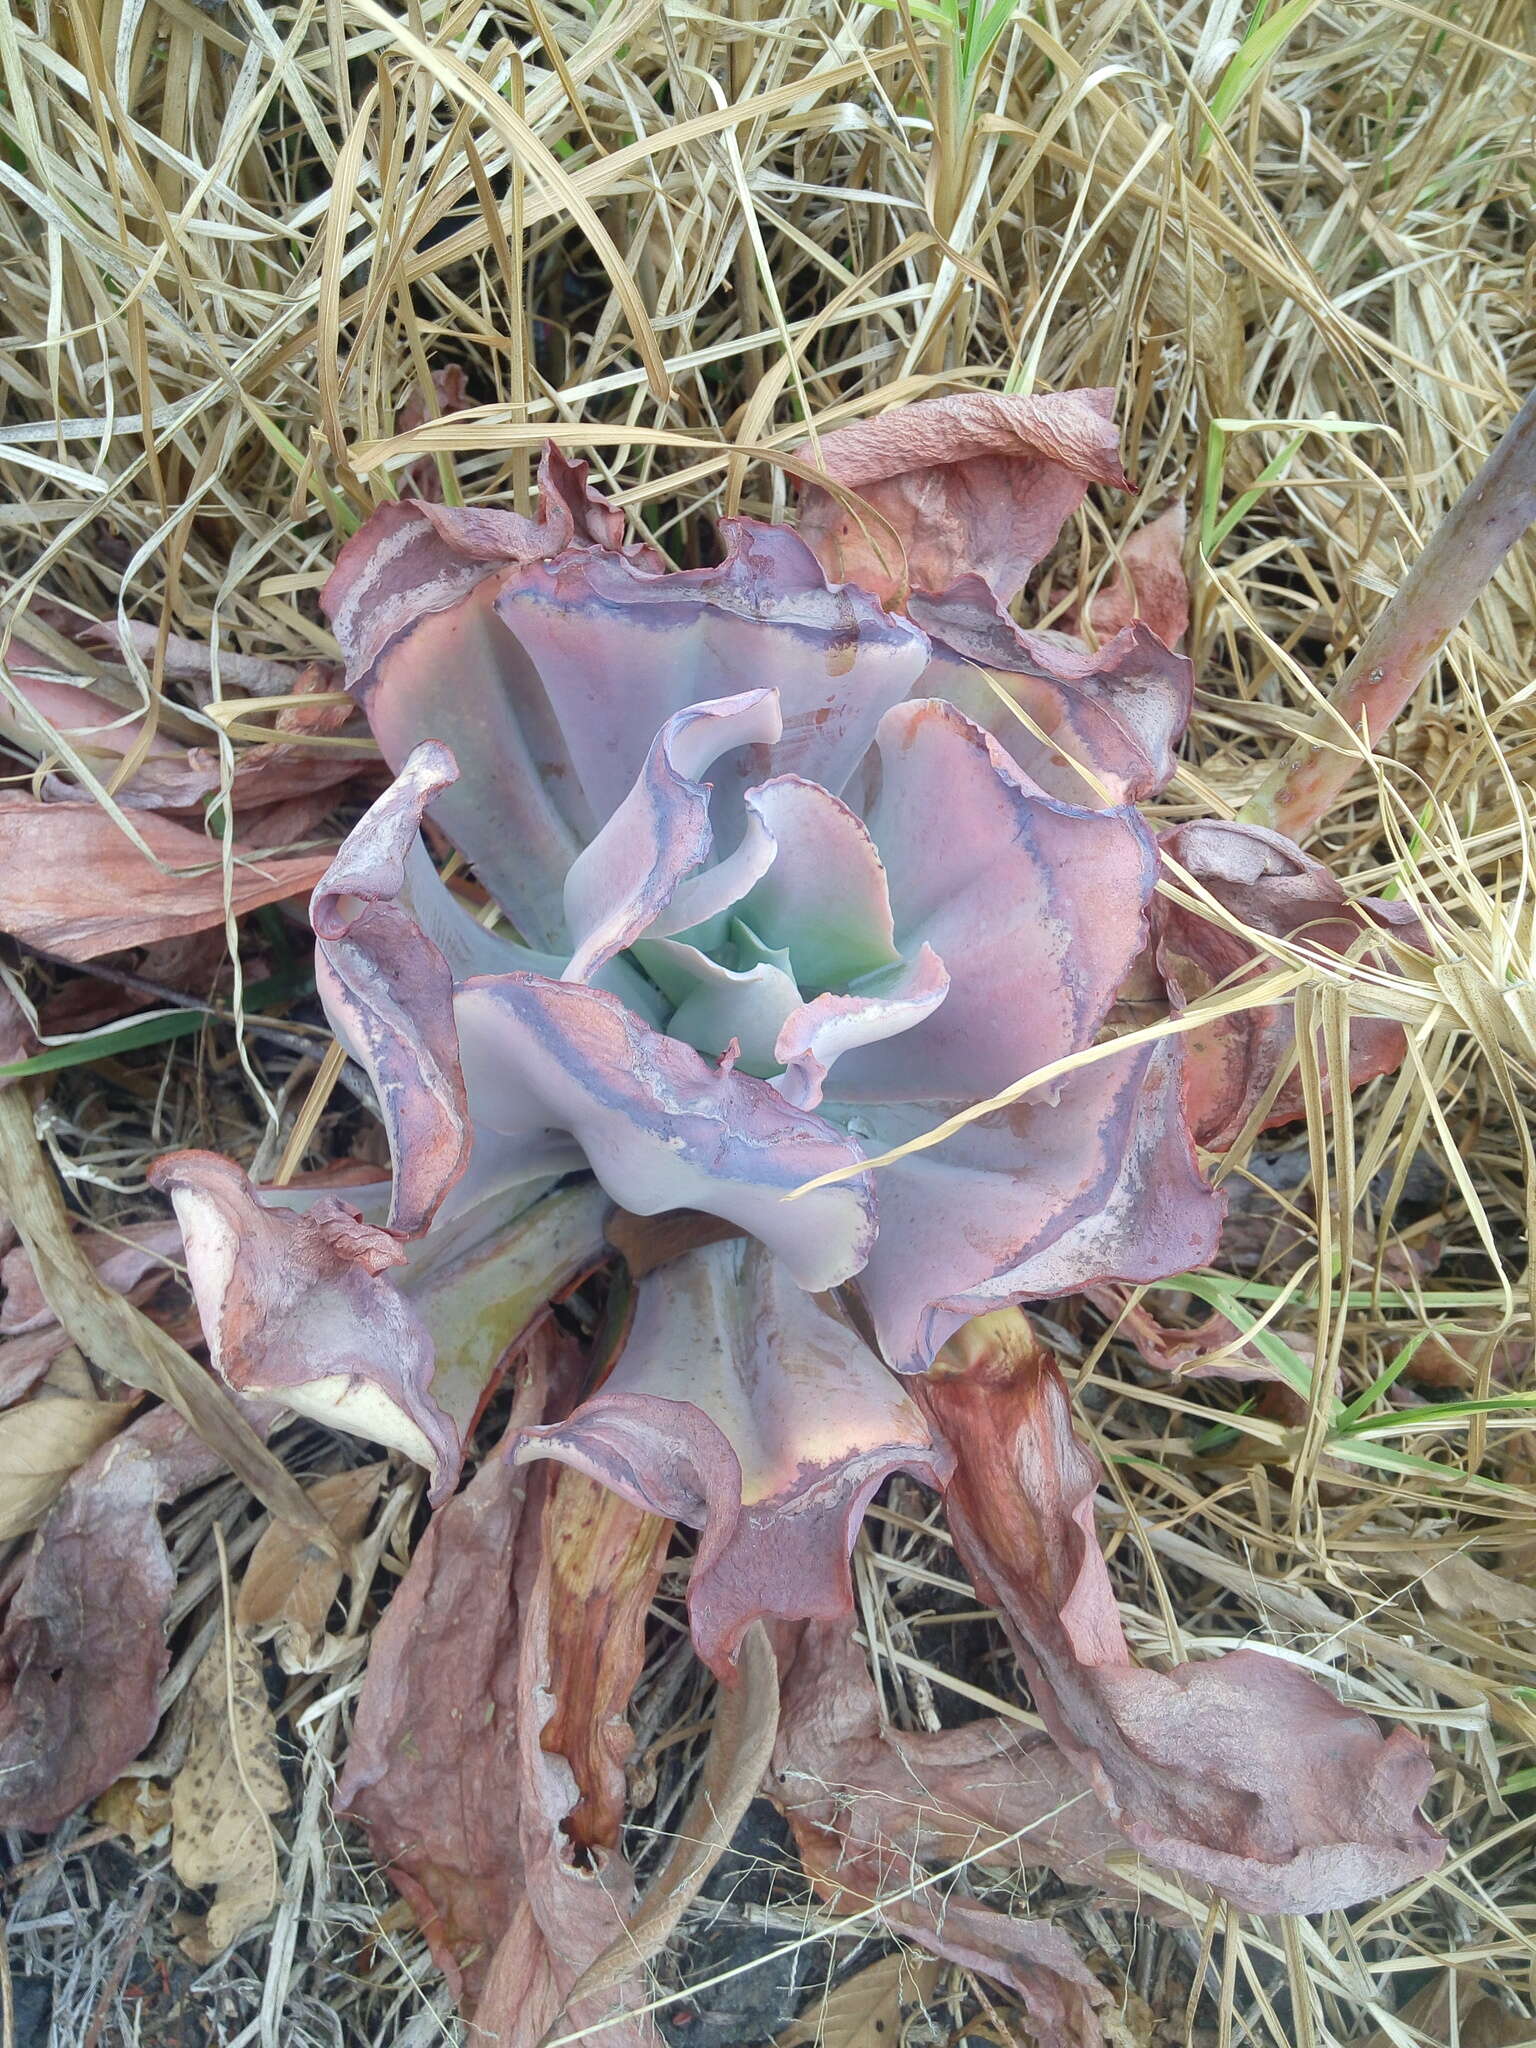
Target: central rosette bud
(759,912)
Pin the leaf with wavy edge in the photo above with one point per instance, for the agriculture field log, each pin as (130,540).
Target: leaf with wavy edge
(1241,1771)
(1045,1197)
(388,991)
(870,1804)
(979,482)
(659,1125)
(660,833)
(1036,908)
(414,558)
(296,1309)
(824,899)
(821,1031)
(1270,885)
(764,616)
(1118,713)
(753,1412)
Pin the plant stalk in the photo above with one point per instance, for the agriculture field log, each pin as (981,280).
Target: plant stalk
(1457,564)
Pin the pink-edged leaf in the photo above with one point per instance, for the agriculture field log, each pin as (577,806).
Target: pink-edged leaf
(659,1125)
(747,1409)
(765,617)
(1036,909)
(1149,584)
(979,482)
(1264,880)
(1118,713)
(388,991)
(824,899)
(869,1804)
(297,1309)
(620,884)
(821,1031)
(1096,1181)
(1241,1771)
(82,1647)
(72,884)
(414,558)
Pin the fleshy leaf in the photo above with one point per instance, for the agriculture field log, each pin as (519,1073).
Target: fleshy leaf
(1270,885)
(1119,713)
(1036,909)
(979,482)
(817,1033)
(722,1006)
(619,885)
(389,992)
(824,900)
(296,1309)
(413,558)
(1241,1771)
(1043,1198)
(764,617)
(659,1125)
(753,1412)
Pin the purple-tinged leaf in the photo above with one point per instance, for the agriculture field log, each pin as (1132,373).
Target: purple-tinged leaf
(297,1309)
(1241,1771)
(1096,1179)
(1118,713)
(389,992)
(821,1031)
(824,899)
(1036,909)
(621,883)
(748,1410)
(765,618)
(1149,583)
(979,482)
(659,1125)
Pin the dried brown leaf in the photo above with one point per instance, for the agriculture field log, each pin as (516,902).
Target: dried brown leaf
(41,1444)
(221,1798)
(865,2010)
(290,1584)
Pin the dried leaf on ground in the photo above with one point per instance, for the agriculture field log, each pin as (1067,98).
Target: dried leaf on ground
(41,1444)
(222,1798)
(289,1584)
(1462,1587)
(82,1650)
(865,2010)
(73,884)
(139,1809)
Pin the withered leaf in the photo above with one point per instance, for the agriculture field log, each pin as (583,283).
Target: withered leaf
(41,1444)
(290,1584)
(865,2010)
(223,1795)
(82,1651)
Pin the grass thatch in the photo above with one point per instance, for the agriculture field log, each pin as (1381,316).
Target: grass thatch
(235,238)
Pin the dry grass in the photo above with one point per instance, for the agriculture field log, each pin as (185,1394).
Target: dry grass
(235,238)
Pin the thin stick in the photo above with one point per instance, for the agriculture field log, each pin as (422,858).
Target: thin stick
(1460,560)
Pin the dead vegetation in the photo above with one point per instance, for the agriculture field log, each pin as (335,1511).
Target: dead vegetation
(238,240)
